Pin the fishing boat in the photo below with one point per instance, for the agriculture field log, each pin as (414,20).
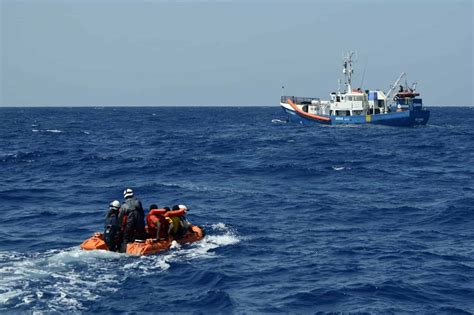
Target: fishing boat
(356,106)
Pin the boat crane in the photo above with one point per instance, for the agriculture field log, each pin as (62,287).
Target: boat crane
(392,88)
(395,85)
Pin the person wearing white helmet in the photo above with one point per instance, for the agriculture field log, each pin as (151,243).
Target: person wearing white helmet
(127,193)
(133,217)
(112,226)
(114,208)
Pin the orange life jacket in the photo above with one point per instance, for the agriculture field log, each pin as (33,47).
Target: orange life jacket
(154,217)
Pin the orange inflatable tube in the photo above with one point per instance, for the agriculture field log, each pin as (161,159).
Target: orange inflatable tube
(95,242)
(147,247)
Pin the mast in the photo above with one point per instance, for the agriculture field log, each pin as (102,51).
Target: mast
(348,70)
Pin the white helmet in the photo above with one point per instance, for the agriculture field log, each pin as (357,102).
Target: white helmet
(183,207)
(115,204)
(127,193)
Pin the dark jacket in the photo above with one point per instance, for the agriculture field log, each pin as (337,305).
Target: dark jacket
(132,212)
(112,233)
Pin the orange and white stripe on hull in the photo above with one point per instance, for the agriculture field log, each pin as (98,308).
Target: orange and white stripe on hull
(302,113)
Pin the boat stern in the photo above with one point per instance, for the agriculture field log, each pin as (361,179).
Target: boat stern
(420,117)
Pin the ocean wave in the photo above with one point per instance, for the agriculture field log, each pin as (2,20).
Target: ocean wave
(70,279)
(47,130)
(340,168)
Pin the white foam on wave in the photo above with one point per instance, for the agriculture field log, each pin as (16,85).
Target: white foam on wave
(220,226)
(47,130)
(148,265)
(67,277)
(175,245)
(340,168)
(179,253)
(203,248)
(6,296)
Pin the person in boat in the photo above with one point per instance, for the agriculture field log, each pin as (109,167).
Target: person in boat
(158,226)
(112,227)
(180,225)
(132,218)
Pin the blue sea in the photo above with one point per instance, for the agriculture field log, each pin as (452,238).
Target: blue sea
(299,219)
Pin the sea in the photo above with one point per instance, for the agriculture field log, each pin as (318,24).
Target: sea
(300,219)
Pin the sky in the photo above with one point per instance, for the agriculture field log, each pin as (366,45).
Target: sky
(157,52)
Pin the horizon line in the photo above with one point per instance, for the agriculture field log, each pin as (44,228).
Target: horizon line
(181,105)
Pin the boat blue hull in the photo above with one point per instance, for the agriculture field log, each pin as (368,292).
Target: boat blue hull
(407,118)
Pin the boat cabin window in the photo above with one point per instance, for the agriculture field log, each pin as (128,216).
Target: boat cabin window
(338,98)
(356,98)
(343,112)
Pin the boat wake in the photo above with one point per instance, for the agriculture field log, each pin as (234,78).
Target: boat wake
(70,279)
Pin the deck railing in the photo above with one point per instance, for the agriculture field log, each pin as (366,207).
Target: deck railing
(298,99)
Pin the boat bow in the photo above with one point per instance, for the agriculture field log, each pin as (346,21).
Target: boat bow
(308,115)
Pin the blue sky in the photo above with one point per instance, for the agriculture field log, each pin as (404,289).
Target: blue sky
(228,52)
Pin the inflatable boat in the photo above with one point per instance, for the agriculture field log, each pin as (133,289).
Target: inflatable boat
(148,246)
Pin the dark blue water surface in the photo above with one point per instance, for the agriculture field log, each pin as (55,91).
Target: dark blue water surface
(300,219)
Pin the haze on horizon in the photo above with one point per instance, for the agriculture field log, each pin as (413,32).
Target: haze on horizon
(99,53)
